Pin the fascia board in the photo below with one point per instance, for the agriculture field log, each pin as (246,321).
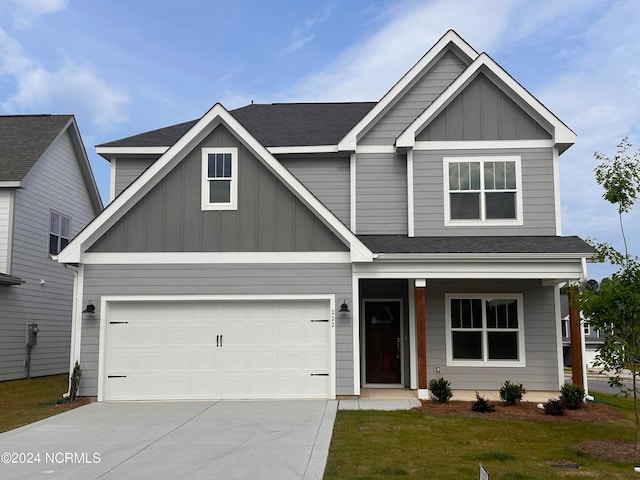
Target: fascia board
(108,152)
(85,166)
(466,257)
(215,116)
(562,134)
(10,184)
(348,143)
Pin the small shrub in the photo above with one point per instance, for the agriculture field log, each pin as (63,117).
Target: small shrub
(572,396)
(440,390)
(555,407)
(482,405)
(512,393)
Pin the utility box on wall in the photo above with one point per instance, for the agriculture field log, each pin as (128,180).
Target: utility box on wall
(32,334)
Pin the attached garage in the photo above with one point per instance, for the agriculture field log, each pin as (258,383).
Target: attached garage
(154,349)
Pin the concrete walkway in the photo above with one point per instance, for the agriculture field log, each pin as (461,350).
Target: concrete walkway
(174,440)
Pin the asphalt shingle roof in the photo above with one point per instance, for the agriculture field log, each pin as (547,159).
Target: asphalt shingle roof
(23,139)
(273,125)
(476,244)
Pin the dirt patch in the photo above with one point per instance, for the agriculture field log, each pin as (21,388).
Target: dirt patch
(590,412)
(611,450)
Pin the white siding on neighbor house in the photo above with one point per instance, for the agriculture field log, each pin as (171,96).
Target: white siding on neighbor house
(538,193)
(127,170)
(6,213)
(201,279)
(381,193)
(412,103)
(327,178)
(540,317)
(54,183)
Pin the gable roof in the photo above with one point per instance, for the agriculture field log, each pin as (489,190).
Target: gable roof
(273,125)
(217,115)
(450,40)
(23,140)
(563,136)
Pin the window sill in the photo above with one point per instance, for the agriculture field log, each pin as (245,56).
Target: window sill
(489,363)
(483,223)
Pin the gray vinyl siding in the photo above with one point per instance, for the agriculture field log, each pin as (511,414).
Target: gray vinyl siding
(55,182)
(128,169)
(170,218)
(540,318)
(482,112)
(332,279)
(327,178)
(381,193)
(417,98)
(538,196)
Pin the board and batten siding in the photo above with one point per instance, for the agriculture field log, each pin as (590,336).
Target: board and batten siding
(381,194)
(54,183)
(6,215)
(265,279)
(415,100)
(538,195)
(170,218)
(128,169)
(482,112)
(327,178)
(540,318)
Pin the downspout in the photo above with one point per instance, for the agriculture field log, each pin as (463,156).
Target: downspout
(76,317)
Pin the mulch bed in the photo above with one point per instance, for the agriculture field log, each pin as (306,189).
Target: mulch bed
(611,450)
(589,412)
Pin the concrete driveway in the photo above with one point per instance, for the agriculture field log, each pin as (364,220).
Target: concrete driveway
(174,440)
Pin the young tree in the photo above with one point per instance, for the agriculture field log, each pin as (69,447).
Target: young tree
(614,306)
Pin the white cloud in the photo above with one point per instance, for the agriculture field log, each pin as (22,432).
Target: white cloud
(25,12)
(303,33)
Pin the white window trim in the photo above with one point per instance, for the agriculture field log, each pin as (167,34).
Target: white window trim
(521,362)
(59,235)
(483,222)
(204,189)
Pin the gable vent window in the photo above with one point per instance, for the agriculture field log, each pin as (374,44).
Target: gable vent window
(59,232)
(219,178)
(483,191)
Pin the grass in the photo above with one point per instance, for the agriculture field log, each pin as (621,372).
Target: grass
(413,444)
(29,400)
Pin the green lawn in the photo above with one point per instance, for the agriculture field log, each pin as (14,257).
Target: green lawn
(420,445)
(26,401)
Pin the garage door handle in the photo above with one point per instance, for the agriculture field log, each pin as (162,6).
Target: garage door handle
(218,340)
(116,376)
(319,374)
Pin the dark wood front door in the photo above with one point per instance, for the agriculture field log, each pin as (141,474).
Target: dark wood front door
(382,338)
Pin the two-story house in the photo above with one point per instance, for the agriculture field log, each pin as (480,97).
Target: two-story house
(47,195)
(313,249)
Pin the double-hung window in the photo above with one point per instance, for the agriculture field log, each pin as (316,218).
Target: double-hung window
(59,232)
(485,330)
(483,191)
(220,178)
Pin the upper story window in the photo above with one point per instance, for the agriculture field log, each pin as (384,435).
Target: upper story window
(485,330)
(219,178)
(483,191)
(59,232)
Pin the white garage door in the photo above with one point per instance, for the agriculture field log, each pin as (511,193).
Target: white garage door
(217,350)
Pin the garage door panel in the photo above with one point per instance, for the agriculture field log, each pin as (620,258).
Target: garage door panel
(172,350)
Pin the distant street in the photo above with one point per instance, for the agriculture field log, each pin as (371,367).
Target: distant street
(599,384)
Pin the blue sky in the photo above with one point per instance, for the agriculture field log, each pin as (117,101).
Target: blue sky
(124,67)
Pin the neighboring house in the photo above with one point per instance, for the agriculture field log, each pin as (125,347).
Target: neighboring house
(313,249)
(47,195)
(592,337)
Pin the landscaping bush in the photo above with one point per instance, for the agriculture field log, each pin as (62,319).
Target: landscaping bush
(555,407)
(482,405)
(512,393)
(572,396)
(440,390)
